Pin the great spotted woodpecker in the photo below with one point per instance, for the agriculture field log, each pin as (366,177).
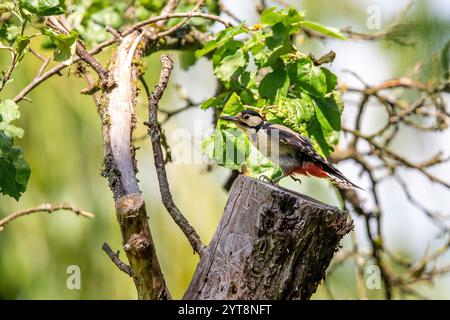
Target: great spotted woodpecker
(287,148)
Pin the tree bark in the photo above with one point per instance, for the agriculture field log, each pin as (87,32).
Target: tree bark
(271,243)
(117,111)
(118,118)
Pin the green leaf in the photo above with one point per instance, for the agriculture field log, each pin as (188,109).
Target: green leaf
(91,17)
(277,44)
(287,84)
(152,5)
(221,38)
(307,77)
(329,31)
(231,64)
(9,32)
(291,18)
(329,108)
(275,84)
(14,170)
(294,113)
(257,42)
(21,44)
(65,45)
(233,106)
(325,125)
(331,79)
(315,117)
(271,16)
(218,101)
(319,134)
(108,16)
(9,111)
(228,147)
(213,6)
(43,7)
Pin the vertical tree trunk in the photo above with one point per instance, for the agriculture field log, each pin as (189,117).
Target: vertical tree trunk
(271,243)
(118,119)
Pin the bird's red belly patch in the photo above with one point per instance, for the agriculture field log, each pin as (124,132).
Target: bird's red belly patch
(312,169)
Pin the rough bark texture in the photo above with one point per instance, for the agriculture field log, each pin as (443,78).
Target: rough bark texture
(118,120)
(117,112)
(121,101)
(271,243)
(139,247)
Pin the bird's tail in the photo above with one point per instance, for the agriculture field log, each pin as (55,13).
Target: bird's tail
(342,182)
(338,179)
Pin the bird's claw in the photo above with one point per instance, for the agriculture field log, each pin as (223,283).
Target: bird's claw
(265,178)
(296,179)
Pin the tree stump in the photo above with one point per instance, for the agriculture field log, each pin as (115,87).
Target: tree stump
(271,243)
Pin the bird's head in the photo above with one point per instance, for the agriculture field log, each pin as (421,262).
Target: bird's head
(246,119)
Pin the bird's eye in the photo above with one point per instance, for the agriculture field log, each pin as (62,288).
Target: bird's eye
(246,116)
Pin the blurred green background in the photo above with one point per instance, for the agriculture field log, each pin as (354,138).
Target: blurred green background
(63,145)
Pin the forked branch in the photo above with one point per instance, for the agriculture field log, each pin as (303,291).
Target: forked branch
(154,132)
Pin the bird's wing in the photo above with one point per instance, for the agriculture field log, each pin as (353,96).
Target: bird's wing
(303,148)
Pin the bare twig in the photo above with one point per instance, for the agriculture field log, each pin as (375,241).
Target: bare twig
(94,63)
(180,220)
(429,105)
(100,47)
(116,34)
(389,33)
(10,69)
(62,26)
(189,15)
(435,217)
(170,7)
(116,260)
(38,55)
(179,24)
(45,207)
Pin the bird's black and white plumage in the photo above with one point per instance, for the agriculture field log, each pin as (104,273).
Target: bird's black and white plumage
(293,152)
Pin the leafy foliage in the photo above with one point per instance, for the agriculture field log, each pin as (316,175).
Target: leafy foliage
(65,45)
(90,18)
(264,71)
(229,147)
(259,67)
(22,21)
(9,111)
(14,170)
(43,7)
(329,31)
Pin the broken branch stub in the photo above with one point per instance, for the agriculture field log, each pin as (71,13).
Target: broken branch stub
(271,243)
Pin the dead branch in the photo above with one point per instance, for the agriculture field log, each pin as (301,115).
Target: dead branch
(116,260)
(118,121)
(45,207)
(180,220)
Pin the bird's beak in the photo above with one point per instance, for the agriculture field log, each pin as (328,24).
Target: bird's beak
(229,118)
